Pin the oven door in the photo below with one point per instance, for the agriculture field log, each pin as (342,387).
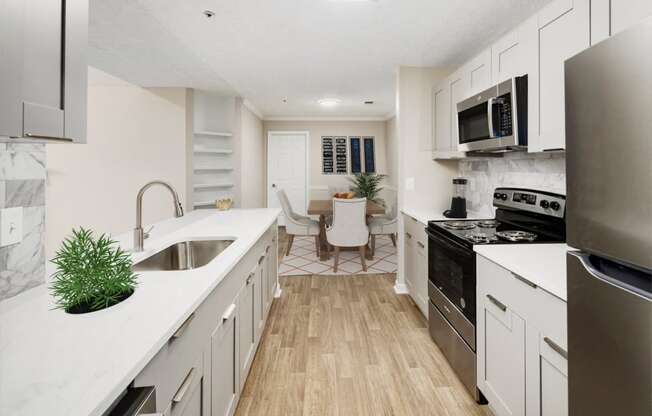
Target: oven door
(451,269)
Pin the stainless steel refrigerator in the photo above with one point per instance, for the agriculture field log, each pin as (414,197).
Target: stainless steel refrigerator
(609,220)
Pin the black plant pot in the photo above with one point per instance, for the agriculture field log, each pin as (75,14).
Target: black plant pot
(86,307)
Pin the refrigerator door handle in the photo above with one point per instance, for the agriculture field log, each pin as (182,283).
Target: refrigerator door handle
(586,263)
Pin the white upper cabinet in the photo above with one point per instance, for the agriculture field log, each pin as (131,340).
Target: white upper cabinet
(43,70)
(477,74)
(609,17)
(513,55)
(458,90)
(445,148)
(563,30)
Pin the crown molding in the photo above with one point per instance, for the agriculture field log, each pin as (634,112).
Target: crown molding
(253,108)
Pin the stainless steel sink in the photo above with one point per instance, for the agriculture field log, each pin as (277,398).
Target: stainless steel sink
(184,255)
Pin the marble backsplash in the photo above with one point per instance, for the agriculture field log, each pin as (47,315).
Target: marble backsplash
(546,172)
(22,184)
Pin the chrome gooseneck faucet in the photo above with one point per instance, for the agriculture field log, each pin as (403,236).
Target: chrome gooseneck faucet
(139,234)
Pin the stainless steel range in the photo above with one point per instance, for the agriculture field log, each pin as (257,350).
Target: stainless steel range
(522,217)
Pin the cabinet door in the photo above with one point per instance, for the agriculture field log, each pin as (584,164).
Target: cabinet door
(511,56)
(458,90)
(259,301)
(553,373)
(44,70)
(421,273)
(272,275)
(224,364)
(187,401)
(408,262)
(563,31)
(442,119)
(501,356)
(246,326)
(193,406)
(477,73)
(625,13)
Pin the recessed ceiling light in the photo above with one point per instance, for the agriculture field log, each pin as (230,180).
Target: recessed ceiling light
(329,102)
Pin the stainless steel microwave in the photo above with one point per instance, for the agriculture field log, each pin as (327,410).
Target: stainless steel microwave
(496,119)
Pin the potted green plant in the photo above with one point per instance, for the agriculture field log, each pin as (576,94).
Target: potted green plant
(367,185)
(92,274)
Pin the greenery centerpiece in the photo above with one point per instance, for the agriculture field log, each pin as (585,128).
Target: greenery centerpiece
(92,274)
(367,185)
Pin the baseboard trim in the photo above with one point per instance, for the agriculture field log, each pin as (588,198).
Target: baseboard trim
(278,292)
(400,289)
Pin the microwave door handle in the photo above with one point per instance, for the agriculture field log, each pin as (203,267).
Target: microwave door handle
(490,112)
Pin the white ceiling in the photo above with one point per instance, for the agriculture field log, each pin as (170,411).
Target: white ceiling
(301,50)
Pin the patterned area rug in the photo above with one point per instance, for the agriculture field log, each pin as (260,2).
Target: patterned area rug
(303,259)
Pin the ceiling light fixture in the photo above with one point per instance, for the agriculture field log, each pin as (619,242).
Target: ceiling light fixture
(329,102)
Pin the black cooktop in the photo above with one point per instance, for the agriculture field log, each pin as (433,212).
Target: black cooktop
(518,220)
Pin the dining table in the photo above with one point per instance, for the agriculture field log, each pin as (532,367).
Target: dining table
(324,208)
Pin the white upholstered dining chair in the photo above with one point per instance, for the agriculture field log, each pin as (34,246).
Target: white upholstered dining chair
(385,225)
(296,224)
(349,228)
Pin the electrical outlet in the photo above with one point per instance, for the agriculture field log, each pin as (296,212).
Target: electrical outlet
(11,226)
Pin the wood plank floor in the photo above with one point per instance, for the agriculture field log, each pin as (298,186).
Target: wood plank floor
(348,345)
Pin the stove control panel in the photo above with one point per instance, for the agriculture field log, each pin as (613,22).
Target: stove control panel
(539,202)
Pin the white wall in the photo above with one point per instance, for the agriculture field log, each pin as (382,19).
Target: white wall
(253,159)
(422,182)
(318,182)
(134,135)
(431,180)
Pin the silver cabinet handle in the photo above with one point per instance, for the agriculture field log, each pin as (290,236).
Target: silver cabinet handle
(249,279)
(420,244)
(552,344)
(50,138)
(178,396)
(260,260)
(267,249)
(498,303)
(524,280)
(228,314)
(414,219)
(408,235)
(179,332)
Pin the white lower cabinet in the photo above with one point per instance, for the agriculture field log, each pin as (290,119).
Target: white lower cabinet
(503,354)
(247,324)
(202,369)
(187,401)
(225,380)
(415,251)
(521,348)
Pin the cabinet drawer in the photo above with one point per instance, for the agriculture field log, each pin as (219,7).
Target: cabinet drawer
(417,230)
(187,399)
(169,368)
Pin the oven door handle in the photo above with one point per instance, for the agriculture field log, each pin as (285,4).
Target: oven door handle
(450,245)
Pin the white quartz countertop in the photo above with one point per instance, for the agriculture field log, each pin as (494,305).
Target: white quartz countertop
(57,364)
(542,264)
(423,215)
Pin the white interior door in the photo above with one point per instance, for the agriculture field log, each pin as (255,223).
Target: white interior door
(287,169)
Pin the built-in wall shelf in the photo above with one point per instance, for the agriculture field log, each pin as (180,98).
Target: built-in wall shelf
(216,169)
(213,133)
(199,186)
(204,204)
(211,151)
